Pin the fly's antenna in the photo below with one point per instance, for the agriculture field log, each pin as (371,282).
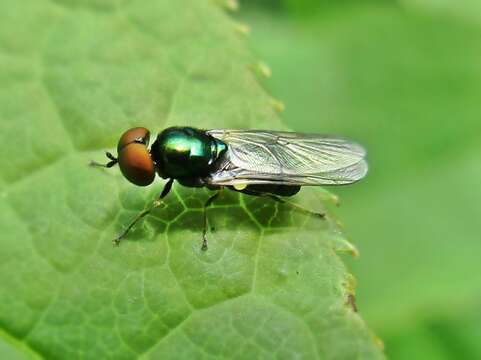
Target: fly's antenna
(112,162)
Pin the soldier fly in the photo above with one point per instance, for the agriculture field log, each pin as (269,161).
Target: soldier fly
(274,164)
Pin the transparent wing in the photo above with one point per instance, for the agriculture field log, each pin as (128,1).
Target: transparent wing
(270,157)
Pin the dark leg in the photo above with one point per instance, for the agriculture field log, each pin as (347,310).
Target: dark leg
(295,206)
(145,212)
(112,162)
(251,191)
(204,232)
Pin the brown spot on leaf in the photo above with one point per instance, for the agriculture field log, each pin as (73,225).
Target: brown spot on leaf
(351,301)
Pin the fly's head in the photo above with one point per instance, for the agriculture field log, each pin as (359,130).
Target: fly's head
(133,157)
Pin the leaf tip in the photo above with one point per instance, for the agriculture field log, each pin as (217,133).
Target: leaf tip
(347,247)
(242,29)
(277,105)
(378,342)
(353,251)
(262,69)
(231,5)
(335,200)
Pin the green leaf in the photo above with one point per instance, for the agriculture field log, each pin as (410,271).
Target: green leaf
(407,84)
(76,74)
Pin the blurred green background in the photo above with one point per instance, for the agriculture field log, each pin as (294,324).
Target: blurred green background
(404,79)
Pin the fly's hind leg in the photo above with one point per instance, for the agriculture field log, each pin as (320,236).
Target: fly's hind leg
(208,203)
(295,206)
(268,191)
(142,214)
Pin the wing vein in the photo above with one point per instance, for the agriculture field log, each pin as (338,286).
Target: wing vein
(256,156)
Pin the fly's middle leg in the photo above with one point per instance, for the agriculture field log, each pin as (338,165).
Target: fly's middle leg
(208,203)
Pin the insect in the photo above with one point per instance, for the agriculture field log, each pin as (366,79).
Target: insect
(274,164)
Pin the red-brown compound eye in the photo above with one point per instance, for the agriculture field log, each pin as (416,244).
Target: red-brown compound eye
(134,158)
(138,134)
(136,164)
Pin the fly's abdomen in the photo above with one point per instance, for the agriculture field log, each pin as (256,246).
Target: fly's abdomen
(276,189)
(184,152)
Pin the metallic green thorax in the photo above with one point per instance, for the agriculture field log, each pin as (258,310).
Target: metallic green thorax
(184,152)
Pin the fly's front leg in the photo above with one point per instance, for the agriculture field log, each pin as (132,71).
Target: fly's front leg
(145,212)
(204,231)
